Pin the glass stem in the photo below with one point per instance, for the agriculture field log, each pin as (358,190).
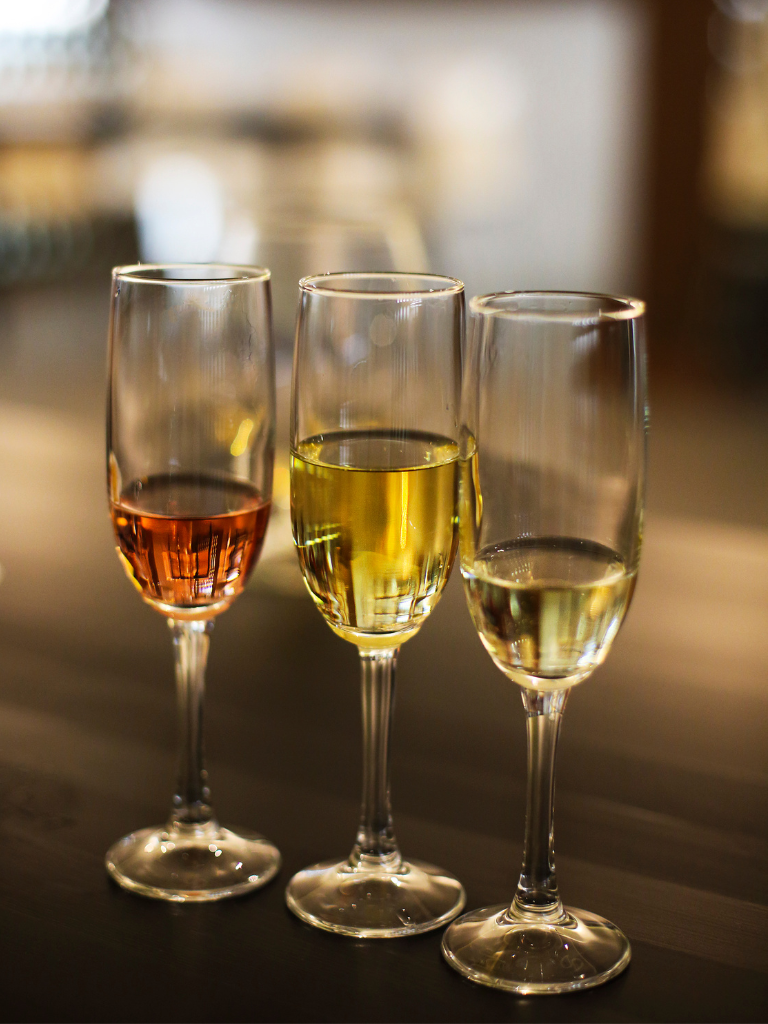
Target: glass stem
(376,845)
(537,896)
(190,650)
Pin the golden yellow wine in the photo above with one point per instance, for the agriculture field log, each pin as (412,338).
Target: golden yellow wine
(375,524)
(547,608)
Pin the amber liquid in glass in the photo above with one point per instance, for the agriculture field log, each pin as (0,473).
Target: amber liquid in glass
(189,542)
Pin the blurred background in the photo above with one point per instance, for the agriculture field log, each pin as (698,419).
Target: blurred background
(608,145)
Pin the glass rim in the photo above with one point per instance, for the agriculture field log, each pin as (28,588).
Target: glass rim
(627,308)
(141,273)
(320,284)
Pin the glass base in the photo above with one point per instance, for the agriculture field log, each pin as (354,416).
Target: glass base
(577,950)
(371,902)
(192,863)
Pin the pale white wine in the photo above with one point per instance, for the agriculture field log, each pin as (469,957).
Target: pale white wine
(547,608)
(375,524)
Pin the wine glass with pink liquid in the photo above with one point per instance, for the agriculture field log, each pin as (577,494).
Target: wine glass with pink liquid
(190,451)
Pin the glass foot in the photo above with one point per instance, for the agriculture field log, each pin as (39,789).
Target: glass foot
(373,902)
(576,951)
(192,863)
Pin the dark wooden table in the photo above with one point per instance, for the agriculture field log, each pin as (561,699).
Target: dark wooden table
(662,778)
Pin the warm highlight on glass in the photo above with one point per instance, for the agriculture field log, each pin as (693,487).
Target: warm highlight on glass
(190,449)
(553,443)
(374,487)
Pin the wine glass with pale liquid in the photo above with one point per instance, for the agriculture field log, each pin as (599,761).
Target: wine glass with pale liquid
(553,444)
(190,448)
(374,486)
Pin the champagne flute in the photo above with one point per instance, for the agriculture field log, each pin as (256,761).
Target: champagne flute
(374,482)
(552,477)
(190,446)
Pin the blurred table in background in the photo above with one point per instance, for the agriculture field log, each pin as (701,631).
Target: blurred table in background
(662,774)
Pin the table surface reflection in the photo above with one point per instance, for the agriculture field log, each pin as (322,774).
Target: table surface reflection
(662,777)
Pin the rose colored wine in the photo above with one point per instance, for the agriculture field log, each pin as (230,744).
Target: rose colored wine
(188,541)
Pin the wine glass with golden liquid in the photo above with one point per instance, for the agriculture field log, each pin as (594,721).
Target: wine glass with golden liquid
(553,444)
(190,448)
(374,486)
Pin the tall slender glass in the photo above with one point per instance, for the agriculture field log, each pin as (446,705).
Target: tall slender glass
(374,484)
(552,480)
(190,449)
